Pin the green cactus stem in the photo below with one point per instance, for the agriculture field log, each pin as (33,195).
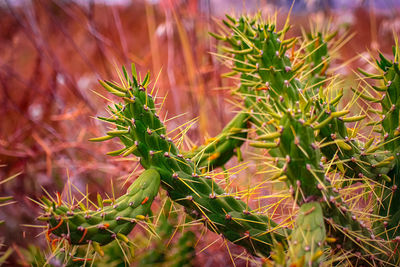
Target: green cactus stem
(308,238)
(79,225)
(388,97)
(143,134)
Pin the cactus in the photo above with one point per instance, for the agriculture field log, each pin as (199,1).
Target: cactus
(387,94)
(288,110)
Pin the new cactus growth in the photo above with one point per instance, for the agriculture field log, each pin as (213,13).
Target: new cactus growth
(291,108)
(308,238)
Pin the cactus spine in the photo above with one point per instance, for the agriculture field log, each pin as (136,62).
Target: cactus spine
(306,244)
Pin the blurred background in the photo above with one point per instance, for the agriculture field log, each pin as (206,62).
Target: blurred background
(53,52)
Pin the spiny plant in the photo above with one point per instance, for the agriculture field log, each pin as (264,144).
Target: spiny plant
(340,171)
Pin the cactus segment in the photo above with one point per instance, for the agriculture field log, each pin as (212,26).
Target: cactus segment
(317,59)
(102,226)
(277,90)
(273,88)
(390,103)
(308,237)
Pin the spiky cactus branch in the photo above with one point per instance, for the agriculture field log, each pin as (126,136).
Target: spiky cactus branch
(306,244)
(142,133)
(222,147)
(80,225)
(284,88)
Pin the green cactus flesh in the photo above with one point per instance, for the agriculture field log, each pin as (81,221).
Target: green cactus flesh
(308,237)
(81,226)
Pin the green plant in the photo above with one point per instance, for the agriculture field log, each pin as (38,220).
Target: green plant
(291,107)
